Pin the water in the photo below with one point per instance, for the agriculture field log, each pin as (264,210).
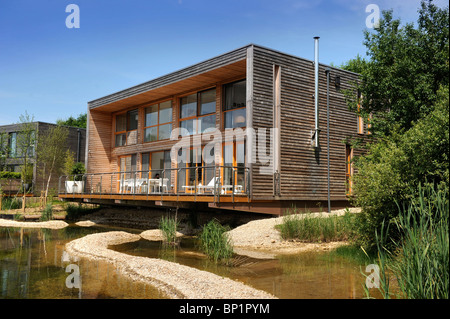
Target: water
(312,275)
(33,265)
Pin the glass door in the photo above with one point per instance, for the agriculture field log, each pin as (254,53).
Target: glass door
(127,169)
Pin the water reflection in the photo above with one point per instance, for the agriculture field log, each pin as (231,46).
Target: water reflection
(317,275)
(33,264)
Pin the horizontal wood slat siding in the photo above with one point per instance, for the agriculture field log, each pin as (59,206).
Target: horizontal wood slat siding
(303,170)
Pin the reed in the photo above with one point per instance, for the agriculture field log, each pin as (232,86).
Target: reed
(168,226)
(309,228)
(419,260)
(47,213)
(215,243)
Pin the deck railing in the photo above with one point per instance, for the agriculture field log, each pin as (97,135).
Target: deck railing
(213,181)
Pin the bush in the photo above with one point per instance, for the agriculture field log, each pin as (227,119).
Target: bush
(395,165)
(215,243)
(10,175)
(47,213)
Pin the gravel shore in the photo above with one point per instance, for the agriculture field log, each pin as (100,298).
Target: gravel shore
(175,280)
(259,238)
(53,224)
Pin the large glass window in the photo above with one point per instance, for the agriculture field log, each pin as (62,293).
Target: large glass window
(158,122)
(154,163)
(234,158)
(197,168)
(234,104)
(126,128)
(197,112)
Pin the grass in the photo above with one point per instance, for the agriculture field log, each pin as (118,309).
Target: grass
(309,228)
(215,243)
(419,261)
(168,226)
(11,203)
(47,213)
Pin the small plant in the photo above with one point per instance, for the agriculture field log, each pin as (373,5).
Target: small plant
(215,242)
(77,171)
(47,213)
(18,217)
(168,227)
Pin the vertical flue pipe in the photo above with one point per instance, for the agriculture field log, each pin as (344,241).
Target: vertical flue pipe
(316,91)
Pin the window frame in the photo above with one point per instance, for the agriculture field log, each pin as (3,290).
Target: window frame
(157,126)
(198,109)
(126,131)
(224,110)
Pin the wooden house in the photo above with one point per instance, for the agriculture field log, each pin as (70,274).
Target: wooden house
(253,130)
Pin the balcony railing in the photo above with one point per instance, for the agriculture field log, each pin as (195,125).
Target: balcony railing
(214,181)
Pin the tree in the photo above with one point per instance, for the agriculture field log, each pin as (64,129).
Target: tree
(80,121)
(357,65)
(389,174)
(26,140)
(51,153)
(4,150)
(406,67)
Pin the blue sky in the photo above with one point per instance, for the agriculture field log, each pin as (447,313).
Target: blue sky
(51,71)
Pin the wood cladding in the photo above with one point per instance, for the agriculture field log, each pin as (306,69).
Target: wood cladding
(302,168)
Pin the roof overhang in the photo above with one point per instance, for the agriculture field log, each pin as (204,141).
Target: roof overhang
(227,66)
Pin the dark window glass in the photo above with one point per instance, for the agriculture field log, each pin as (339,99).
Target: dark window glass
(132,120)
(235,95)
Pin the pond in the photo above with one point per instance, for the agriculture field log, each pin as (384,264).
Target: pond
(33,264)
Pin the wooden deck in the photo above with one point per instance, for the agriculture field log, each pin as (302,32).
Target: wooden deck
(164,197)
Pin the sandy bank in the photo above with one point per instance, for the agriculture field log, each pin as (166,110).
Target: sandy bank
(177,281)
(53,224)
(260,237)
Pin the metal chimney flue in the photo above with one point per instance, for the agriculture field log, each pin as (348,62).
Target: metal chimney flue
(316,92)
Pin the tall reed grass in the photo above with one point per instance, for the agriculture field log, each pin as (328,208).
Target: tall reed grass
(310,228)
(419,261)
(47,213)
(215,243)
(168,226)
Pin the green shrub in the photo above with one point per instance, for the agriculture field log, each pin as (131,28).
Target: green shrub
(395,165)
(215,243)
(47,213)
(10,175)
